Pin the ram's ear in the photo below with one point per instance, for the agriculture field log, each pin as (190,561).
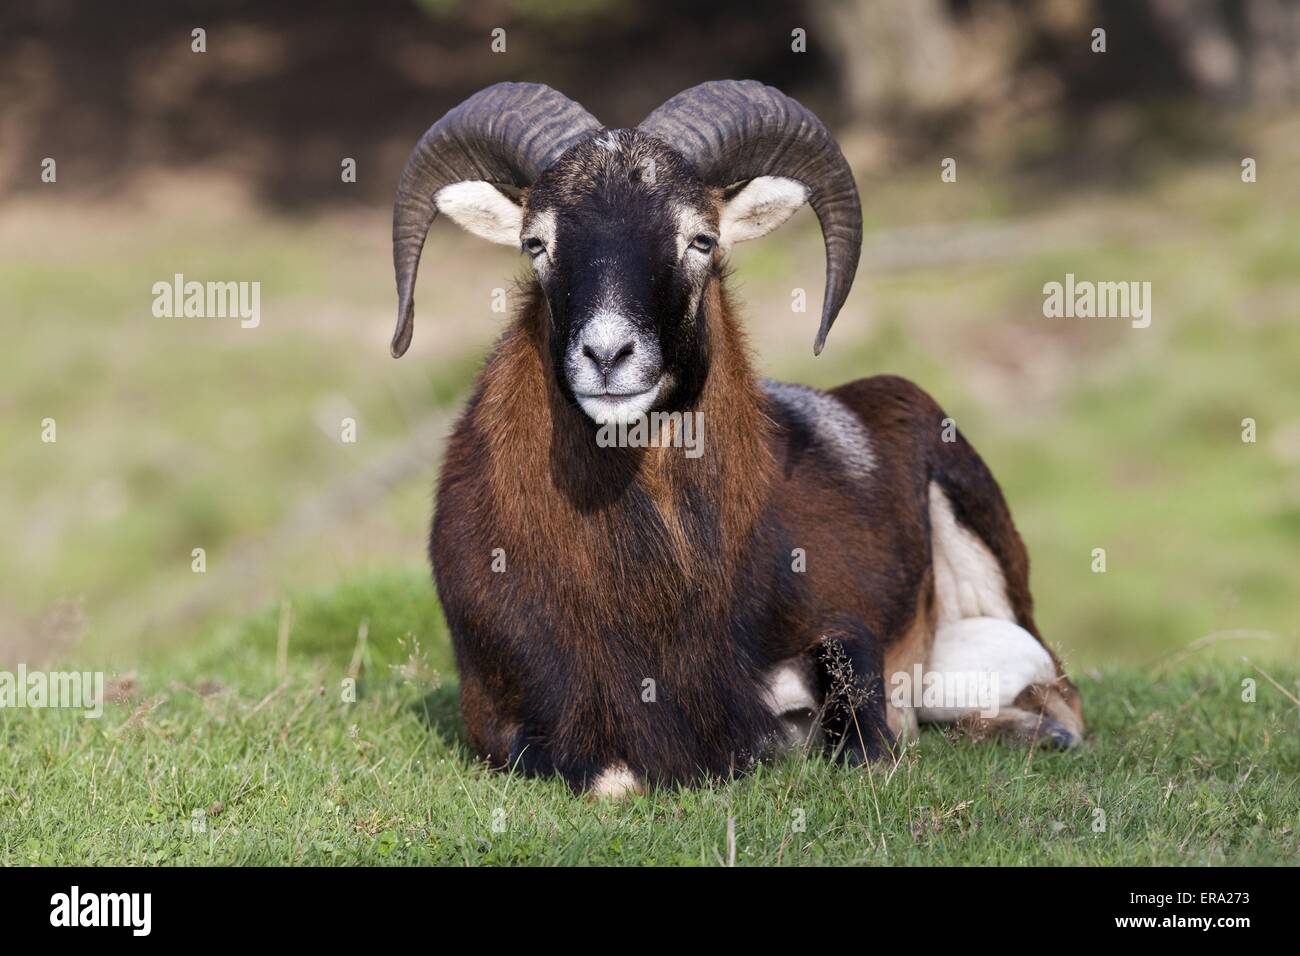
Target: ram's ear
(760,206)
(482,209)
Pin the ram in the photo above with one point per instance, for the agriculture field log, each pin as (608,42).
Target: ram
(624,614)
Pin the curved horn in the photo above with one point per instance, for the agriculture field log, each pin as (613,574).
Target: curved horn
(732,130)
(506,134)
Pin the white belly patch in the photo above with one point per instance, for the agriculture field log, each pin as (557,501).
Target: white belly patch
(968,580)
(981,659)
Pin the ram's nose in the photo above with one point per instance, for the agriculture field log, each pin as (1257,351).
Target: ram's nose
(609,362)
(608,348)
(607,356)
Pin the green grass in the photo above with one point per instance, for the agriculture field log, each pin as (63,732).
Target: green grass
(1183,771)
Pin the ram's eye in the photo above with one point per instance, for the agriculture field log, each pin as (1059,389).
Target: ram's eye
(534,247)
(703,243)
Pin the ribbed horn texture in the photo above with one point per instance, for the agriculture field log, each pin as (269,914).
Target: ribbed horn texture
(507,134)
(733,130)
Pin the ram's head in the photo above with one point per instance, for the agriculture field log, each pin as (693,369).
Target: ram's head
(626,228)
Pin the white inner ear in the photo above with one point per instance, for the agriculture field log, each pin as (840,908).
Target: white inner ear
(482,209)
(762,205)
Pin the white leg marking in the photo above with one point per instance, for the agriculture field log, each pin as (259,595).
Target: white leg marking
(788,688)
(983,657)
(789,695)
(616,781)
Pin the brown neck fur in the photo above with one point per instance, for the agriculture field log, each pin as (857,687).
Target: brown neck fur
(630,524)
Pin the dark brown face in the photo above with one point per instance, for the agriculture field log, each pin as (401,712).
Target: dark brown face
(623,238)
(623,223)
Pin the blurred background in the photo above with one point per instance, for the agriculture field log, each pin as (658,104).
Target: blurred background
(177,434)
